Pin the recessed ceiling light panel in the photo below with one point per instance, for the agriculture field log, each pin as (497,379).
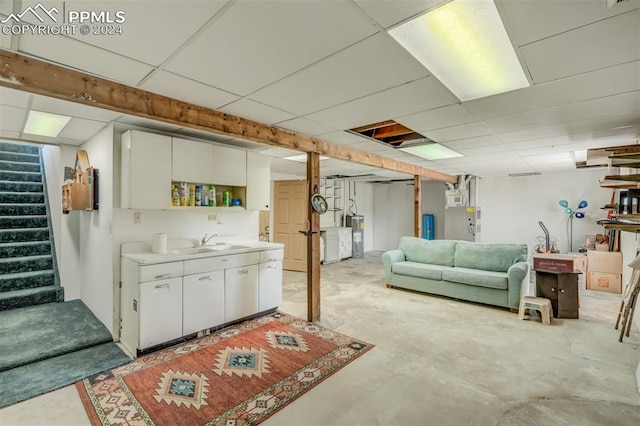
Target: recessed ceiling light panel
(45,124)
(430,151)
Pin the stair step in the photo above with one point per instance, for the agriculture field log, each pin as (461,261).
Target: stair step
(23,235)
(19,147)
(19,157)
(14,265)
(32,248)
(7,209)
(14,222)
(17,186)
(26,280)
(20,176)
(22,197)
(11,166)
(29,297)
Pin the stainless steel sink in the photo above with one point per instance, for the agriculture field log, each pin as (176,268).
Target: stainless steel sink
(228,247)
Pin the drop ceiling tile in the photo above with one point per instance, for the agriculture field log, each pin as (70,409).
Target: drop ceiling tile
(150,33)
(254,44)
(592,108)
(11,134)
(560,157)
(418,95)
(341,138)
(184,89)
(84,57)
(471,143)
(12,119)
(462,131)
(596,84)
(492,149)
(388,13)
(246,108)
(16,98)
(536,20)
(367,146)
(72,109)
(344,76)
(305,126)
(437,118)
(585,49)
(80,129)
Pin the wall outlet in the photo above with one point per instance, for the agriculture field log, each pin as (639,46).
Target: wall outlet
(213,217)
(137,218)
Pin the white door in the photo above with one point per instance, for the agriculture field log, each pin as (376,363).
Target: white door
(160,308)
(202,301)
(270,286)
(240,292)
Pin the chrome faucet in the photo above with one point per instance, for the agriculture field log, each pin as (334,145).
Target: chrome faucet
(205,240)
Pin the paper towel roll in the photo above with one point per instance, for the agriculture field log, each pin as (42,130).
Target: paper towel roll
(159,243)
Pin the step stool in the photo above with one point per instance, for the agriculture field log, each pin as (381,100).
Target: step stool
(539,304)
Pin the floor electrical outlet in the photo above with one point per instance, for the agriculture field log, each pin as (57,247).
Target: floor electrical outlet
(137,218)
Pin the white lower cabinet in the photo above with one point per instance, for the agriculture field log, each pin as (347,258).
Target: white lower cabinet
(160,311)
(240,292)
(202,301)
(270,285)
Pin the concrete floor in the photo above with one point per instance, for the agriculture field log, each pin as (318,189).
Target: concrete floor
(439,361)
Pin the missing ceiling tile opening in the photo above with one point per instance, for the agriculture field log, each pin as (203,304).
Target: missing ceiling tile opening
(388,132)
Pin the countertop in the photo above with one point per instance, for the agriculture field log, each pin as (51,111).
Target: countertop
(146,257)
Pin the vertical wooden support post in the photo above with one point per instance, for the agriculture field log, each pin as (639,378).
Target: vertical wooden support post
(417,206)
(313,241)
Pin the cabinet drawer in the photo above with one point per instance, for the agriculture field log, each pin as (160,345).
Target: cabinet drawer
(160,271)
(216,263)
(268,256)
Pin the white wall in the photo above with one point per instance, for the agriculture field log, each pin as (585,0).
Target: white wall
(512,207)
(392,214)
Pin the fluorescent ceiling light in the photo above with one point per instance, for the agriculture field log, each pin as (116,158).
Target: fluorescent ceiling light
(465,45)
(45,124)
(302,158)
(430,151)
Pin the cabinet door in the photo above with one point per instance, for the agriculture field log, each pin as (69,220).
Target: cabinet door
(192,161)
(258,181)
(229,166)
(160,309)
(240,292)
(202,301)
(143,186)
(270,286)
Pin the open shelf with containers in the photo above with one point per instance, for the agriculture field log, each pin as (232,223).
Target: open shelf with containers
(333,192)
(235,192)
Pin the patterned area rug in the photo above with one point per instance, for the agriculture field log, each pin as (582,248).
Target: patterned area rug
(237,376)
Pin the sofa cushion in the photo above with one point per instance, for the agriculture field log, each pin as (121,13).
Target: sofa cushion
(477,277)
(420,270)
(434,252)
(489,257)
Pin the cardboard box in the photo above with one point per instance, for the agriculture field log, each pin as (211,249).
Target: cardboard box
(609,262)
(558,262)
(602,247)
(611,283)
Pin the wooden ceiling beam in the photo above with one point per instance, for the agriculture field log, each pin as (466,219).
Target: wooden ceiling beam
(32,75)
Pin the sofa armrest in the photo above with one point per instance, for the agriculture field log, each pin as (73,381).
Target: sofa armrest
(516,275)
(389,258)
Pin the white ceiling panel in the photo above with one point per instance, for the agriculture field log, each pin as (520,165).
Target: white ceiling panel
(616,104)
(560,157)
(532,20)
(72,109)
(75,54)
(617,136)
(471,143)
(81,129)
(437,118)
(388,13)
(622,31)
(305,126)
(463,131)
(11,134)
(152,31)
(341,138)
(178,87)
(344,76)
(254,43)
(246,108)
(408,98)
(368,146)
(11,118)
(16,98)
(493,149)
(597,84)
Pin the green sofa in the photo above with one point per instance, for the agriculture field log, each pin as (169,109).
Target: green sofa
(486,273)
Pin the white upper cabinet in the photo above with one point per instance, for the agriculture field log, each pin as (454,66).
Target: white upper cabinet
(192,162)
(258,181)
(229,166)
(145,171)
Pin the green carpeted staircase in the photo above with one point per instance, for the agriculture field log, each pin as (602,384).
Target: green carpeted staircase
(28,274)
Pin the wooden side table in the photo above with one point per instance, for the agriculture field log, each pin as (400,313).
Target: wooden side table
(561,288)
